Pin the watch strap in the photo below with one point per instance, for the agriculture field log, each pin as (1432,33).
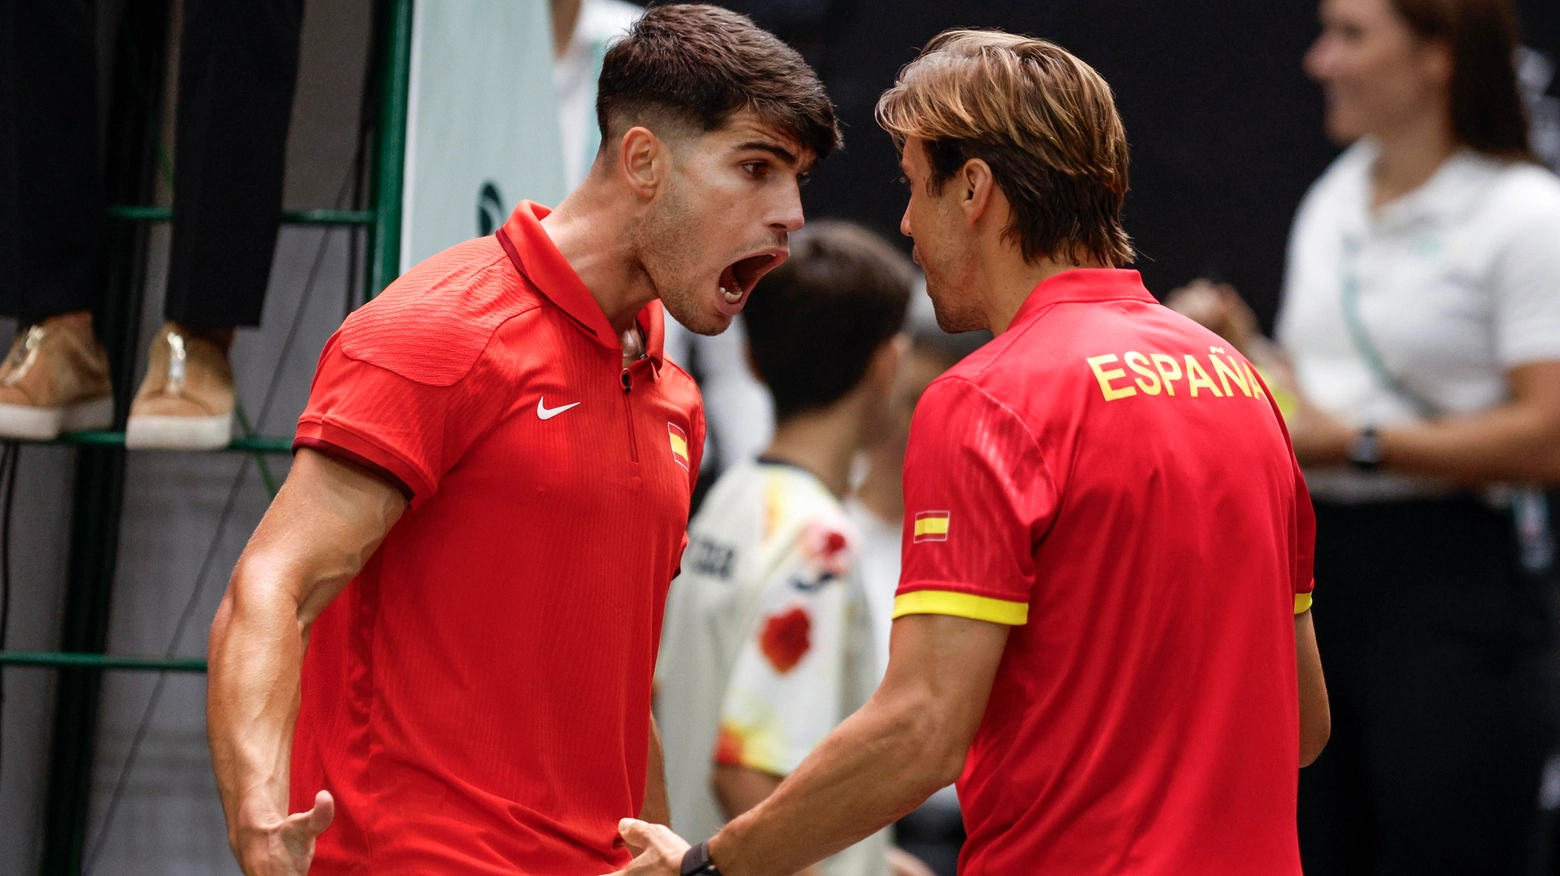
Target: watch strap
(1365,449)
(696,861)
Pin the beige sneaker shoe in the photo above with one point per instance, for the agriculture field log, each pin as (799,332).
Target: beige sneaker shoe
(186,400)
(54,380)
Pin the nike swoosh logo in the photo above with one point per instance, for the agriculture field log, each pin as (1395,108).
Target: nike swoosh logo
(545,413)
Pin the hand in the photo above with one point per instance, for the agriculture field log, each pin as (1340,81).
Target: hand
(1218,308)
(659,851)
(286,847)
(902,863)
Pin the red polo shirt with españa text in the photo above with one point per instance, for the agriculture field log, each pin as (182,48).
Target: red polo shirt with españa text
(1113,482)
(478,698)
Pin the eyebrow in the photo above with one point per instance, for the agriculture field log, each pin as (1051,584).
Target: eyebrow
(779,152)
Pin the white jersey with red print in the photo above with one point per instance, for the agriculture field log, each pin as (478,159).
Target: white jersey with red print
(767,644)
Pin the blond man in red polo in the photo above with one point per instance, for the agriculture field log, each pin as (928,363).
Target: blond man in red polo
(1103,621)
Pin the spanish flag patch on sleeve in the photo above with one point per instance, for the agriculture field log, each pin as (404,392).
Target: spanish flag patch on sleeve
(930,526)
(679,440)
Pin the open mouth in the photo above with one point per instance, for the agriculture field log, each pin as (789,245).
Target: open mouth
(739,277)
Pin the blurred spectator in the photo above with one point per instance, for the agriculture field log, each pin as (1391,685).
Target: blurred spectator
(582,31)
(238,64)
(1421,315)
(768,642)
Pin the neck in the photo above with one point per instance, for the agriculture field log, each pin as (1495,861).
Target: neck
(594,234)
(883,491)
(1410,155)
(1007,279)
(824,442)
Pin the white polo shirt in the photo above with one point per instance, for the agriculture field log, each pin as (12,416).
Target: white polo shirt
(1455,283)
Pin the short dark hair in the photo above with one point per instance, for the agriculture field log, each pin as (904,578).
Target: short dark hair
(698,65)
(1488,114)
(1043,120)
(814,323)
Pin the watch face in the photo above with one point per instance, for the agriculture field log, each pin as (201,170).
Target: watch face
(1365,449)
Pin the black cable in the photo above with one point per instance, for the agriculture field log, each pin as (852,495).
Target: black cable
(8,458)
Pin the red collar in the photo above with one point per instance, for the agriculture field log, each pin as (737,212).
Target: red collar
(539,261)
(1083,284)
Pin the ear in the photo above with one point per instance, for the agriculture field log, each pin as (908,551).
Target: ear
(643,161)
(976,188)
(884,366)
(1437,63)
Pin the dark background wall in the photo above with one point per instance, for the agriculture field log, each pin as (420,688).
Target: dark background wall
(1225,129)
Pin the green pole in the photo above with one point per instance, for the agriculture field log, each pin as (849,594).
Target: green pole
(390,148)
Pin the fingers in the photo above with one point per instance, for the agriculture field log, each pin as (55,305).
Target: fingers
(323,813)
(656,848)
(305,826)
(636,833)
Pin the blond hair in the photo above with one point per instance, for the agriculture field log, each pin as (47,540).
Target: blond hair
(1043,120)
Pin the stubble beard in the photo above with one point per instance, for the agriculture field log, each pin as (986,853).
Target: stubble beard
(668,251)
(950,285)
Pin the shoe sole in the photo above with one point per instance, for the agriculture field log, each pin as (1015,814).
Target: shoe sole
(28,423)
(179,433)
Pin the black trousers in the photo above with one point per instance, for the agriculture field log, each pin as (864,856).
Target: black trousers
(1435,647)
(238,65)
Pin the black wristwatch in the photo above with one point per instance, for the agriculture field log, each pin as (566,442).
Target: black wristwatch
(696,861)
(1365,450)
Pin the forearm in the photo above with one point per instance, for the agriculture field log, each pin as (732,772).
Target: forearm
(881,763)
(256,657)
(655,808)
(1512,443)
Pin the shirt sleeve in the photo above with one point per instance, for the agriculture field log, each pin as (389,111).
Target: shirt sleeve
(1527,293)
(404,430)
(788,685)
(978,498)
(1302,534)
(1304,575)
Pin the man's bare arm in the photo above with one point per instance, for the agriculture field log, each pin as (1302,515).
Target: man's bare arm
(740,788)
(655,808)
(326,521)
(908,741)
(1315,715)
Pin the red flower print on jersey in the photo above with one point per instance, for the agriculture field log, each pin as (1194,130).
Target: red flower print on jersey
(786,638)
(829,548)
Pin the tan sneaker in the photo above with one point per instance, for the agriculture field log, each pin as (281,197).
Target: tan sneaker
(186,400)
(54,380)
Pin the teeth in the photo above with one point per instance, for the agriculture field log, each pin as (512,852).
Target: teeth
(732,297)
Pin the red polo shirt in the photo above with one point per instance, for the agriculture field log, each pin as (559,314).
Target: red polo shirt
(478,698)
(1113,481)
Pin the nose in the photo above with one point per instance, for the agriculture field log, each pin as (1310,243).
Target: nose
(904,223)
(788,213)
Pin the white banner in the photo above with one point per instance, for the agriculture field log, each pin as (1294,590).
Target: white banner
(482,120)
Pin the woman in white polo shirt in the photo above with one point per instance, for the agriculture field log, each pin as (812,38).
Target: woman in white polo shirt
(1421,316)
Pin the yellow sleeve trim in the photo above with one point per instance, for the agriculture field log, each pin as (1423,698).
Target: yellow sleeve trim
(982,608)
(1302,603)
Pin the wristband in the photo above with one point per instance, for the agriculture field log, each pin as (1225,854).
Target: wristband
(696,861)
(1365,450)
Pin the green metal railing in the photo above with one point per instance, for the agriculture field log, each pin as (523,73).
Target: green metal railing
(289,217)
(99,486)
(99,661)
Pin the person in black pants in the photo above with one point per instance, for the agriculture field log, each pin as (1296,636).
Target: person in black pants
(238,65)
(1421,386)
